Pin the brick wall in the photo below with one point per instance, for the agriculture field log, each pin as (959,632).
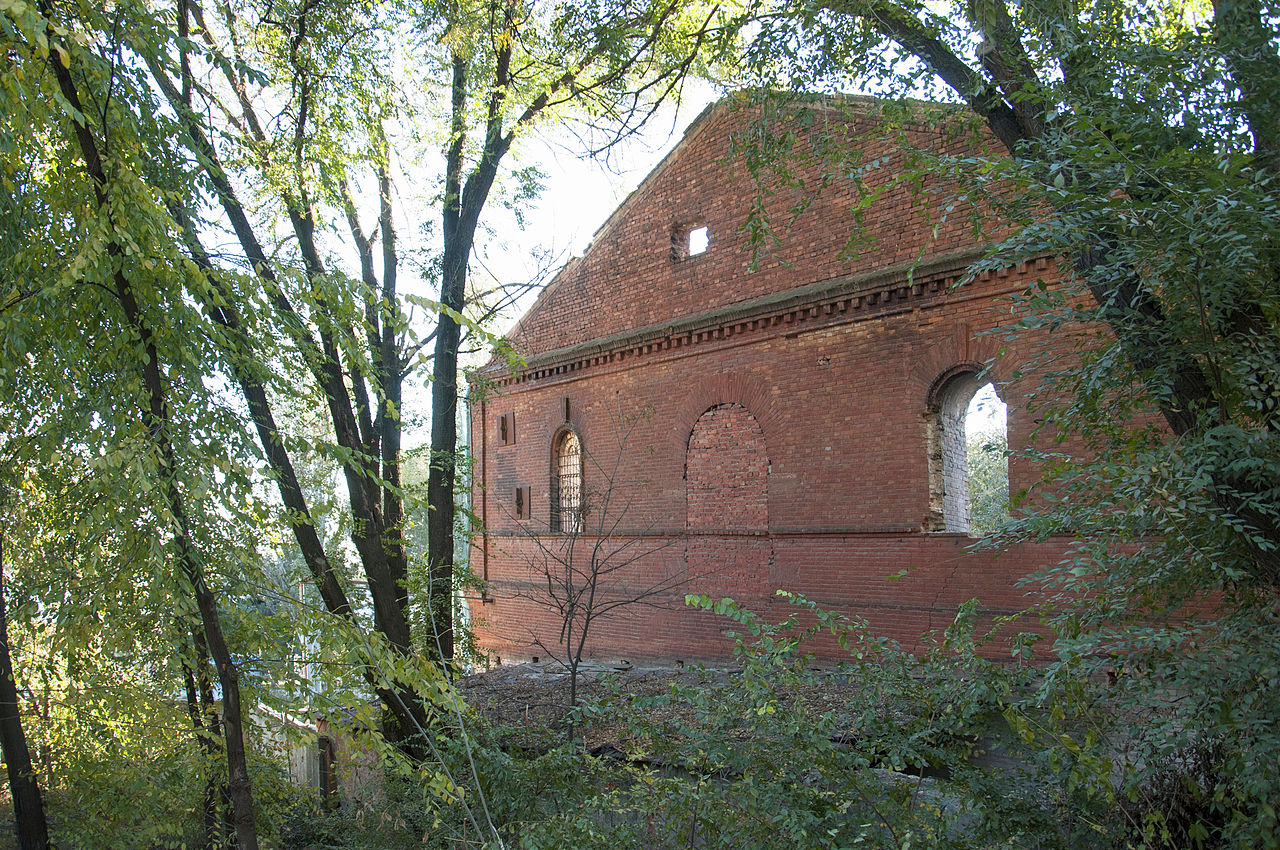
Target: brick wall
(703,182)
(779,424)
(728,547)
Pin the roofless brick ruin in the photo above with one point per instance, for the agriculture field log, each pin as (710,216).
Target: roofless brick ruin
(797,426)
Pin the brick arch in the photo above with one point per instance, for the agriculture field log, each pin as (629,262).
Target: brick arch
(955,353)
(972,374)
(728,549)
(727,472)
(721,388)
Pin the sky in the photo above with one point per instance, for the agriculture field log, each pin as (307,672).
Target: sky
(580,193)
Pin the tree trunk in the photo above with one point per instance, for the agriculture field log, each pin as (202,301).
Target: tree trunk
(204,720)
(28,806)
(463,203)
(377,539)
(440,483)
(409,716)
(444,379)
(155,416)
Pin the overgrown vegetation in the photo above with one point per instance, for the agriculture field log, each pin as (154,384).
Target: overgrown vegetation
(925,755)
(141,369)
(988,468)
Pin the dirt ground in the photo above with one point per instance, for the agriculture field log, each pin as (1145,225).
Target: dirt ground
(530,699)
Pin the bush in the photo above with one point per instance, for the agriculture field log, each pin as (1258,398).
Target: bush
(746,762)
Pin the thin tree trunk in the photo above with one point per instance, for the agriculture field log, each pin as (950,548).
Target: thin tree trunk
(28,806)
(209,802)
(462,206)
(204,720)
(440,484)
(155,416)
(444,379)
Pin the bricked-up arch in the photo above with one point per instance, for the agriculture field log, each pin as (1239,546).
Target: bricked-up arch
(708,391)
(727,495)
(948,447)
(566,482)
(727,472)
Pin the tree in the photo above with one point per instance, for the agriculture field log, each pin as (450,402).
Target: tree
(584,571)
(617,62)
(227,150)
(351,337)
(112,266)
(24,788)
(1139,141)
(1116,146)
(988,466)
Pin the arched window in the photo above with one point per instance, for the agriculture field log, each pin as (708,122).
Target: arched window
(968,463)
(566,483)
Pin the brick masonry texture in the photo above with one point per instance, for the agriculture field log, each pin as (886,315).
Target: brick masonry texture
(780,419)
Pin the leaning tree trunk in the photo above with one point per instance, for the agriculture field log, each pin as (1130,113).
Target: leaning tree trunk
(155,416)
(204,720)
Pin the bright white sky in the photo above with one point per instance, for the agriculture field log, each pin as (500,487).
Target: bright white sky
(986,412)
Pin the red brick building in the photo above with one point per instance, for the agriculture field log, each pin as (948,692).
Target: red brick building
(790,425)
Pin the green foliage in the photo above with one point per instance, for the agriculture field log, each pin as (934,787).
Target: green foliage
(987,462)
(1173,576)
(949,749)
(151,797)
(743,760)
(140,143)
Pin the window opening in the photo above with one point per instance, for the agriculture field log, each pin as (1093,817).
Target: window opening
(968,468)
(689,242)
(987,462)
(698,241)
(566,513)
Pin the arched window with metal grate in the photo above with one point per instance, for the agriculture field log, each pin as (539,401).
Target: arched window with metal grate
(566,483)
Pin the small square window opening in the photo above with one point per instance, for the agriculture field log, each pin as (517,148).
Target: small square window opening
(689,242)
(698,241)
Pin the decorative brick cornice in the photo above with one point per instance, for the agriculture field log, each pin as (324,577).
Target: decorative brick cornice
(824,302)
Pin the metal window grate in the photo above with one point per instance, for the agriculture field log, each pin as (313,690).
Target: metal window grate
(568,512)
